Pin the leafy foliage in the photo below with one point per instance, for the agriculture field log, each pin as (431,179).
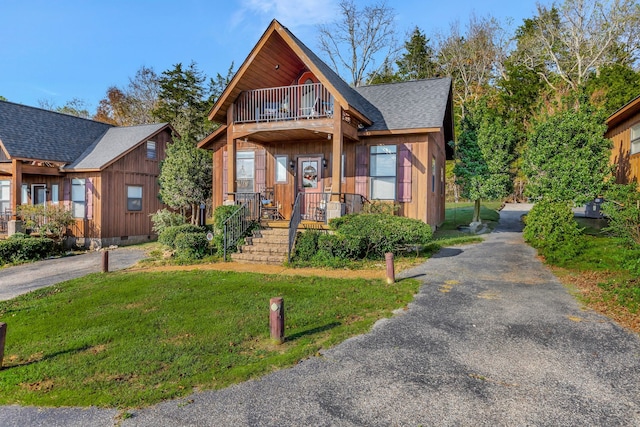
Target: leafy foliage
(169,234)
(622,207)
(362,236)
(551,228)
(46,219)
(567,157)
(19,248)
(186,176)
(164,218)
(191,246)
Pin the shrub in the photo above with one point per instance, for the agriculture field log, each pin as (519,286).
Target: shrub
(191,246)
(551,228)
(46,219)
(168,235)
(359,236)
(20,247)
(220,215)
(622,206)
(164,218)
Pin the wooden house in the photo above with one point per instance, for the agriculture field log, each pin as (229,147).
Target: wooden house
(296,134)
(623,129)
(107,175)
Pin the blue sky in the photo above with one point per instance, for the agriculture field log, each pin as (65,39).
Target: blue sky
(56,50)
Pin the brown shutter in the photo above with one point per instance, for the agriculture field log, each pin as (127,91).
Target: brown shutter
(404,172)
(362,170)
(89,197)
(66,193)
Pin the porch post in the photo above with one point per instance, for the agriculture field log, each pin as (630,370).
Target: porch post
(336,158)
(16,187)
(231,156)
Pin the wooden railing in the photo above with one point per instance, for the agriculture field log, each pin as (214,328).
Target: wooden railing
(308,101)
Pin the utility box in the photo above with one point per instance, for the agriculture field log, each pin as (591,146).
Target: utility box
(594,209)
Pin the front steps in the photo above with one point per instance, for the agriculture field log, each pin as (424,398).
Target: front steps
(268,246)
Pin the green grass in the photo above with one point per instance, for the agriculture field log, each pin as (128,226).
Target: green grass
(133,339)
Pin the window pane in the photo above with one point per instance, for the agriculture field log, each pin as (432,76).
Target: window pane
(635,132)
(281,168)
(4,190)
(245,170)
(151,150)
(635,146)
(78,209)
(25,194)
(55,196)
(134,204)
(77,190)
(383,188)
(134,191)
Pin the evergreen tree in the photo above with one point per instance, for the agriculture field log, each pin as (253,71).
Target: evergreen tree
(418,60)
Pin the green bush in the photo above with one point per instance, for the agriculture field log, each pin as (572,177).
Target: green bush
(360,236)
(191,246)
(220,215)
(168,235)
(164,218)
(551,228)
(622,207)
(19,248)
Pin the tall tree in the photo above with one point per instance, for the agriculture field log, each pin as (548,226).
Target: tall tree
(133,104)
(385,74)
(74,107)
(184,101)
(186,177)
(484,153)
(567,157)
(578,37)
(218,84)
(354,42)
(418,60)
(613,86)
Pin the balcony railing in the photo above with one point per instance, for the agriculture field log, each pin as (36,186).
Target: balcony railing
(296,102)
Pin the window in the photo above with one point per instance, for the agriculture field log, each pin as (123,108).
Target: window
(635,139)
(78,198)
(134,198)
(151,150)
(25,194)
(281,168)
(55,194)
(441,180)
(383,172)
(433,174)
(245,171)
(5,196)
(342,174)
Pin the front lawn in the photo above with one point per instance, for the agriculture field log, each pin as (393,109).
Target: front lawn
(131,339)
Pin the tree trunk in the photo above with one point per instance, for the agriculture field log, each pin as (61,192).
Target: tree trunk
(476,211)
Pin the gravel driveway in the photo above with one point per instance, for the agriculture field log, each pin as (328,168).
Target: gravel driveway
(25,278)
(492,339)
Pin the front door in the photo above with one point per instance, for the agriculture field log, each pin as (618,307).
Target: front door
(39,194)
(310,184)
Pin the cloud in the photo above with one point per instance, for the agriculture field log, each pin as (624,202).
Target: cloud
(291,13)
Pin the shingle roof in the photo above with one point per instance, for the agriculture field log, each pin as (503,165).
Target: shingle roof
(114,143)
(33,133)
(407,105)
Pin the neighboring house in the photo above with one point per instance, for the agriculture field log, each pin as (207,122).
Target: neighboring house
(623,129)
(107,175)
(291,125)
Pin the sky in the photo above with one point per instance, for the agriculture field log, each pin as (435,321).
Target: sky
(53,51)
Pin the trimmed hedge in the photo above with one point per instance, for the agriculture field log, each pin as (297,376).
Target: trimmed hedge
(168,235)
(191,245)
(20,248)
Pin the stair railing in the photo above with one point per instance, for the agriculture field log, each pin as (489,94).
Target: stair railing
(236,226)
(294,222)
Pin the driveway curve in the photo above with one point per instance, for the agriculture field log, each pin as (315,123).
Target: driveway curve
(25,278)
(491,339)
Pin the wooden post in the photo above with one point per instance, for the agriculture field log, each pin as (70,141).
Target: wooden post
(391,275)
(105,261)
(276,319)
(3,336)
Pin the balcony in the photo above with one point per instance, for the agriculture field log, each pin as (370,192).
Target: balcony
(295,102)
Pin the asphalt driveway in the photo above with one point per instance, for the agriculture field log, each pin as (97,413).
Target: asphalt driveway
(492,339)
(25,278)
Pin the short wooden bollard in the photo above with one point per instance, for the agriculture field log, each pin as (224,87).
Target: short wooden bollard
(391,275)
(105,261)
(3,336)
(276,319)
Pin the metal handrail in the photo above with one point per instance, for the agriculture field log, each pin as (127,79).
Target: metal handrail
(235,227)
(294,222)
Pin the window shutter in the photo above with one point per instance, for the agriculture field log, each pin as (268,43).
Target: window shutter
(89,197)
(362,169)
(225,176)
(261,170)
(404,173)
(66,193)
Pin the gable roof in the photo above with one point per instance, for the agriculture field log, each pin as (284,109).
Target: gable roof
(417,104)
(37,134)
(113,144)
(625,112)
(29,133)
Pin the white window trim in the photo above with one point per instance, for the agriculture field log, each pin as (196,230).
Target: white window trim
(634,146)
(129,198)
(76,205)
(282,161)
(373,179)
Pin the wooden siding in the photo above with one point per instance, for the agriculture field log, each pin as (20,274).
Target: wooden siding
(424,204)
(628,166)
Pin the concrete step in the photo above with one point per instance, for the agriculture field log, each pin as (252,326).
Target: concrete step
(265,249)
(248,258)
